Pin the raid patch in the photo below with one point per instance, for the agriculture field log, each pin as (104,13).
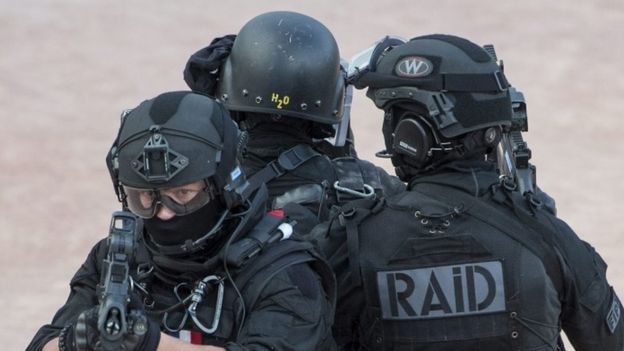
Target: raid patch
(442,291)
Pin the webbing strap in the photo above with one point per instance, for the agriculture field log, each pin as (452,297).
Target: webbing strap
(285,162)
(535,237)
(353,247)
(474,82)
(453,82)
(350,218)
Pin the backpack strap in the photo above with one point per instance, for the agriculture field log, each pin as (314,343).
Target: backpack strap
(285,162)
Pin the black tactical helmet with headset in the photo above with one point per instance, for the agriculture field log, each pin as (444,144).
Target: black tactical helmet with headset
(175,139)
(444,98)
(284,63)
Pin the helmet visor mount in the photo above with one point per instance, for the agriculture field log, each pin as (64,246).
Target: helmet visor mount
(158,162)
(366,60)
(181,200)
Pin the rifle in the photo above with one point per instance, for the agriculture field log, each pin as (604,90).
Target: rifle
(115,283)
(513,153)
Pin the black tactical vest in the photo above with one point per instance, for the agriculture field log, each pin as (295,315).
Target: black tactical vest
(428,274)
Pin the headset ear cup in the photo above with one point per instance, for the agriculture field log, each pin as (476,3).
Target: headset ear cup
(412,141)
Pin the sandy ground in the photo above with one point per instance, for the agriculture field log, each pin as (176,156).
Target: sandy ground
(67,69)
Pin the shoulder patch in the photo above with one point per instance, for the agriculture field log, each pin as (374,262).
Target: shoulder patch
(613,316)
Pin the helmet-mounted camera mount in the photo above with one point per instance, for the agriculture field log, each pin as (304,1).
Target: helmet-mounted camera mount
(158,162)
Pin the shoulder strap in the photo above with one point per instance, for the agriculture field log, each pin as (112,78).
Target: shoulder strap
(350,217)
(535,236)
(285,162)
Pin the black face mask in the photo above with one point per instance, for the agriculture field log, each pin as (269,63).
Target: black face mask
(179,229)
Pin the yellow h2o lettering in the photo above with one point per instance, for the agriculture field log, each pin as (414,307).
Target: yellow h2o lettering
(280,102)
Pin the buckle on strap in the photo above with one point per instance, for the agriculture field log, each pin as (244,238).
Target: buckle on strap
(294,157)
(286,161)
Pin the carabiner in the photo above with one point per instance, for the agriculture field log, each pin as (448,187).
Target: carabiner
(198,296)
(367,193)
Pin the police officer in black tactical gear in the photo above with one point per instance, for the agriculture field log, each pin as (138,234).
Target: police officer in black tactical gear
(211,266)
(282,80)
(461,260)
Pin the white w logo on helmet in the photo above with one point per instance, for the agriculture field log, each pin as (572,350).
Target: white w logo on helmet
(413,66)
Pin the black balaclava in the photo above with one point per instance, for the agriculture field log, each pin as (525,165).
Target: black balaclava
(179,229)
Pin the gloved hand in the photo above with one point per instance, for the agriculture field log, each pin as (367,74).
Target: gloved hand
(142,333)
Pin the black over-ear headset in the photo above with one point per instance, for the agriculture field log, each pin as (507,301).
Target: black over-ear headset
(412,139)
(415,141)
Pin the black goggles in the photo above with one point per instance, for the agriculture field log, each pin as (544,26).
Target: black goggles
(181,200)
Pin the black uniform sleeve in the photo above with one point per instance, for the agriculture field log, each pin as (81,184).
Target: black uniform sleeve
(292,313)
(592,312)
(81,297)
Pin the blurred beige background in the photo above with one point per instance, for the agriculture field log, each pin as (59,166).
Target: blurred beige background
(68,67)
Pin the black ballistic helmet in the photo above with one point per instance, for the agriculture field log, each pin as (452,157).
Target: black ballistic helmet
(175,139)
(284,63)
(461,86)
(444,98)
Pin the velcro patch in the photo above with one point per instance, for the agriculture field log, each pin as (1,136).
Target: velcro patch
(442,291)
(613,317)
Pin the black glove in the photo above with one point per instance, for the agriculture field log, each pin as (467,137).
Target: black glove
(202,68)
(142,333)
